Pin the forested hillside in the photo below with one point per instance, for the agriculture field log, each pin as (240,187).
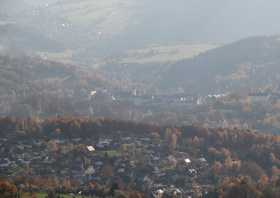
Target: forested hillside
(247,64)
(31,85)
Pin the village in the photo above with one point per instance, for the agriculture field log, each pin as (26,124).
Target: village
(255,110)
(143,163)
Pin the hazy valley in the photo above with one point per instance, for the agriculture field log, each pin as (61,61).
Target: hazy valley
(136,99)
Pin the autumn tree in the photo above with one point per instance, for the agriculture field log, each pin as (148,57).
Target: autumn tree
(7,189)
(241,187)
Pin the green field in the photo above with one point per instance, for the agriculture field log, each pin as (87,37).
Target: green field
(165,54)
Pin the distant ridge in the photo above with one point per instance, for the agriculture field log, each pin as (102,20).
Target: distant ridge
(247,63)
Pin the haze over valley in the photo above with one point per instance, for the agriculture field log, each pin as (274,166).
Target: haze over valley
(139,99)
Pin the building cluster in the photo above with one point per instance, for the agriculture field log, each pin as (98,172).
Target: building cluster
(140,162)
